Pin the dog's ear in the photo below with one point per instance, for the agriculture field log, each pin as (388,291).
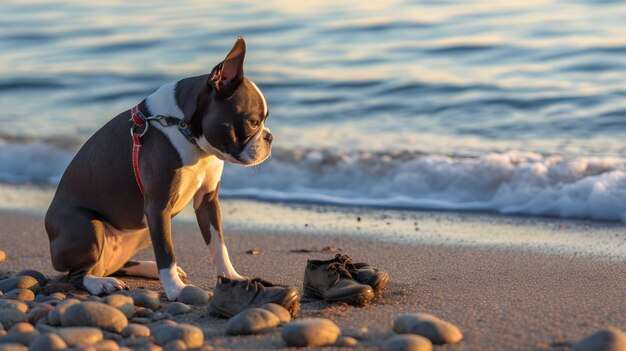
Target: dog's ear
(228,74)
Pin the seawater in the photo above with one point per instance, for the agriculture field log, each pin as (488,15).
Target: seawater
(509,107)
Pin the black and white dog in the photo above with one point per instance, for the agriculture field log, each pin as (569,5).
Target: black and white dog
(100,218)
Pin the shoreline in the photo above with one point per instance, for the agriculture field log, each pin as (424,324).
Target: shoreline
(499,298)
(545,235)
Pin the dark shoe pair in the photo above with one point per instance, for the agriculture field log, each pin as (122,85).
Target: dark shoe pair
(233,296)
(340,280)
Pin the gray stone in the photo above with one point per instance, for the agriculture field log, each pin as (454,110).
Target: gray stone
(176,308)
(19,294)
(11,316)
(146,298)
(48,342)
(19,305)
(94,314)
(252,321)
(58,295)
(609,339)
(123,303)
(94,298)
(192,336)
(13,347)
(143,312)
(76,335)
(175,345)
(307,332)
(38,312)
(436,330)
(135,330)
(279,311)
(192,295)
(140,320)
(23,282)
(41,279)
(54,317)
(408,342)
(135,343)
(157,316)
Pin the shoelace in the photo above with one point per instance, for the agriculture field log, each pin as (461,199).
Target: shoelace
(338,269)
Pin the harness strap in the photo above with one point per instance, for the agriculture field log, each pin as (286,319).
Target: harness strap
(136,153)
(139,120)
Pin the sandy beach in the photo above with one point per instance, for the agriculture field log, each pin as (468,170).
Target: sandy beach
(501,298)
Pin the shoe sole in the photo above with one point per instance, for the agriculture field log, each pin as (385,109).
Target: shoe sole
(361,299)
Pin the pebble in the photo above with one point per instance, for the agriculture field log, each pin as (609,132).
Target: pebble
(609,339)
(134,330)
(135,343)
(95,298)
(3,256)
(157,316)
(106,345)
(54,317)
(41,279)
(436,330)
(48,342)
(75,335)
(279,311)
(21,333)
(140,320)
(11,316)
(94,314)
(306,332)
(176,308)
(192,295)
(146,298)
(408,342)
(123,303)
(19,294)
(13,347)
(40,311)
(19,305)
(192,336)
(252,321)
(346,341)
(23,282)
(175,345)
(143,312)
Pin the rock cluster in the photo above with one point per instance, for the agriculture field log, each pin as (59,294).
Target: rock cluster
(125,320)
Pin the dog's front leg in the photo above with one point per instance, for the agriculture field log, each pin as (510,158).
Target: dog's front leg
(159,221)
(209,220)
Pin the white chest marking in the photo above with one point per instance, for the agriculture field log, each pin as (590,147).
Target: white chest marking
(195,181)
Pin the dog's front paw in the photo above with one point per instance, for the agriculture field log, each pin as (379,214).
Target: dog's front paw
(102,285)
(172,284)
(172,292)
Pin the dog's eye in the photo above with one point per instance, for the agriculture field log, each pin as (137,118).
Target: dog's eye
(254,123)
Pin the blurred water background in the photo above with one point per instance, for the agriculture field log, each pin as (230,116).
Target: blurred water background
(500,106)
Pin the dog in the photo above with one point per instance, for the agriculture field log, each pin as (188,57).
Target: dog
(113,201)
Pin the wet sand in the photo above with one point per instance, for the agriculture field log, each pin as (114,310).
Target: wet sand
(502,299)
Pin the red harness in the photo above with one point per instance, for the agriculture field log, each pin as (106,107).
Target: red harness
(140,120)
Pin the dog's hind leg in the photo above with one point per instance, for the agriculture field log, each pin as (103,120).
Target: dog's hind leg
(146,269)
(77,239)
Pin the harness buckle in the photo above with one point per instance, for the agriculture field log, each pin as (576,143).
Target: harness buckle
(134,127)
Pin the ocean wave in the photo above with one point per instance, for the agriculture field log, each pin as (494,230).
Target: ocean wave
(513,182)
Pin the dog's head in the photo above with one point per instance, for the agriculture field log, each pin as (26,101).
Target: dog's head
(227,111)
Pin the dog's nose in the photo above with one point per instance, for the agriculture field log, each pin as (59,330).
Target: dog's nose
(269,137)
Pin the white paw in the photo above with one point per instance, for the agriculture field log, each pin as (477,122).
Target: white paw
(170,278)
(96,285)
